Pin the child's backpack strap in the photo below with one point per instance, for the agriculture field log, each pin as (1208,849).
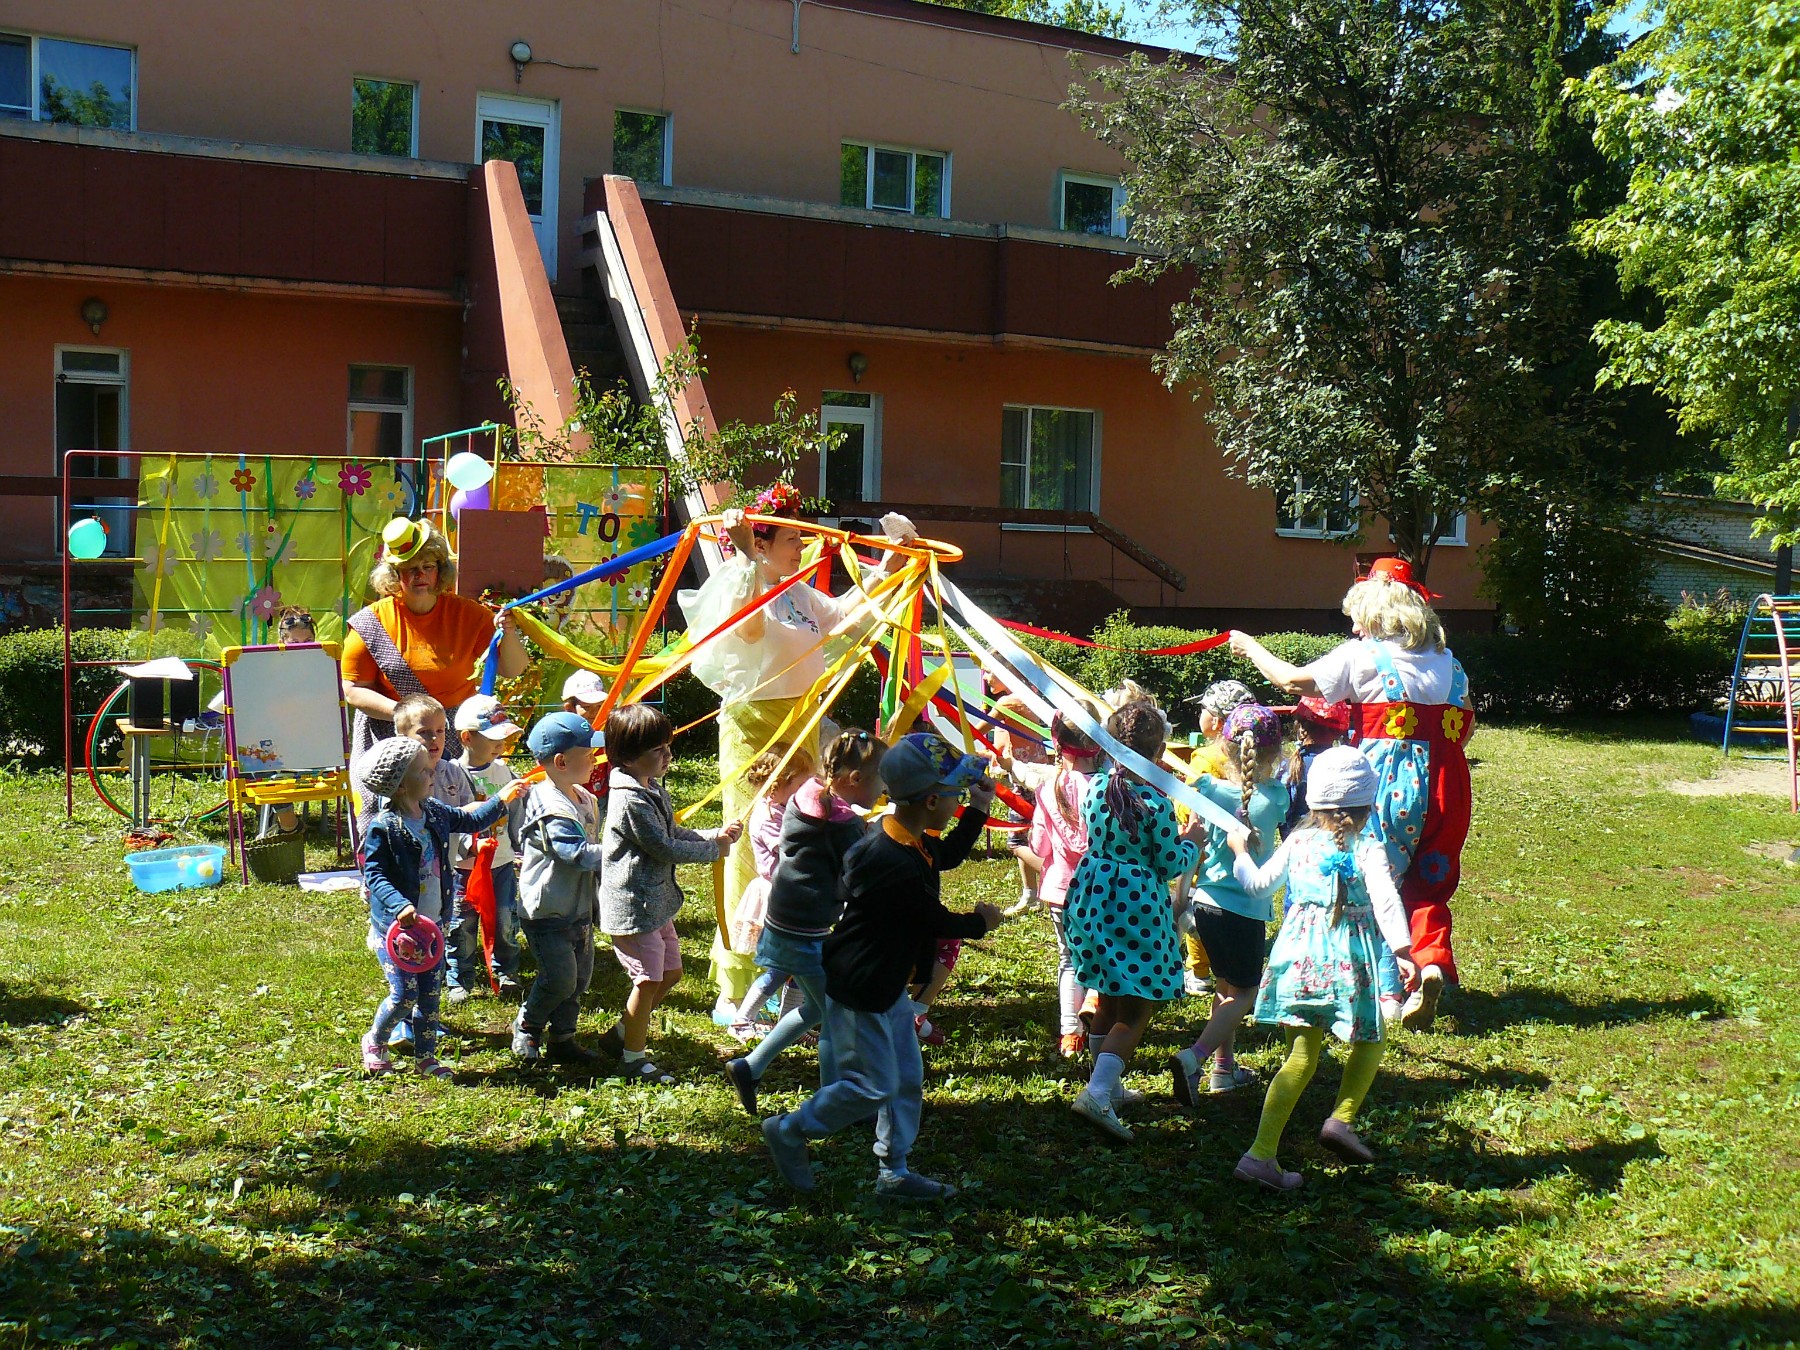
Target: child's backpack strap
(1391,683)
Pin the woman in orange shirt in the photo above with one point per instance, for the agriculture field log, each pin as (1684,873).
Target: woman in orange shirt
(419,636)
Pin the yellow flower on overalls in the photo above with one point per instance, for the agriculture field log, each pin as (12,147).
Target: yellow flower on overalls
(1401,721)
(1454,722)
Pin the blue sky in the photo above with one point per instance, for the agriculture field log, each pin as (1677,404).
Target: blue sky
(1187,38)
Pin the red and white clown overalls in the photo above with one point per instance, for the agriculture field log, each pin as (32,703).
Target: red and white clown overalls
(1421,813)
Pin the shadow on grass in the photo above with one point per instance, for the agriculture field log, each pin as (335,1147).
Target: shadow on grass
(1477,1011)
(578,1241)
(25,1006)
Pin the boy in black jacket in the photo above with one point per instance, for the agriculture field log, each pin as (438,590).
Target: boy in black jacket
(885,940)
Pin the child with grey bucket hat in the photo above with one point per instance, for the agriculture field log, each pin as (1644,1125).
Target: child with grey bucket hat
(1321,975)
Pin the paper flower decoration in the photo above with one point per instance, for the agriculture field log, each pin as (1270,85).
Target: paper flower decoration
(305,488)
(207,545)
(1455,721)
(201,627)
(274,544)
(638,594)
(354,479)
(1400,721)
(243,480)
(265,603)
(612,499)
(206,485)
(246,542)
(158,561)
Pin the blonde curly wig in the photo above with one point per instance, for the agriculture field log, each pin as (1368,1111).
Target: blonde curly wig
(1389,612)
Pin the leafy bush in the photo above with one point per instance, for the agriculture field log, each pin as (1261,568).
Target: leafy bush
(1717,618)
(1643,669)
(31,687)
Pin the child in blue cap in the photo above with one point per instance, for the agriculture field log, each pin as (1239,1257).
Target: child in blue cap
(559,892)
(892,922)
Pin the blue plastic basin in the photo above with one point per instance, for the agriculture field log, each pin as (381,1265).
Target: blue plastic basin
(177,869)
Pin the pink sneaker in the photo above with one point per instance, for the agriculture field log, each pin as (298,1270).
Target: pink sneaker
(432,1067)
(928,1034)
(1260,1173)
(375,1058)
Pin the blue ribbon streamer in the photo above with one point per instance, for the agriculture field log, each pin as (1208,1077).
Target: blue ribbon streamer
(600,572)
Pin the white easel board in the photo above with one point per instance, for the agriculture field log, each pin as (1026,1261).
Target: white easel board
(286,711)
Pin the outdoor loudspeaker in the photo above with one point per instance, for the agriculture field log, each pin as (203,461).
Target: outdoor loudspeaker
(184,700)
(147,703)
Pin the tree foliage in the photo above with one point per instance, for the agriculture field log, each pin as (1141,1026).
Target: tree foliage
(1355,202)
(622,429)
(1704,110)
(1085,16)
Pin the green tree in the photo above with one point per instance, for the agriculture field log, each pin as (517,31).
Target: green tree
(622,429)
(1355,203)
(95,106)
(1086,16)
(1704,110)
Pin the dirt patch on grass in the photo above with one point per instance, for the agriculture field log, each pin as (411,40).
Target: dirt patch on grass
(1737,778)
(1775,850)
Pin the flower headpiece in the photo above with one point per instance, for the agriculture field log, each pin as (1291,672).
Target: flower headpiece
(778,499)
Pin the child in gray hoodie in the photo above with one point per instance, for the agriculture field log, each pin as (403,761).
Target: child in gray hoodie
(639,896)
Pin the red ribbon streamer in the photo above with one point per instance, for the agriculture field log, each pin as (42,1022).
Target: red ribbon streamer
(1185,649)
(478,894)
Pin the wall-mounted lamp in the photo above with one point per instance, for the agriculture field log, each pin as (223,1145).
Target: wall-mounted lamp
(521,57)
(93,313)
(858,363)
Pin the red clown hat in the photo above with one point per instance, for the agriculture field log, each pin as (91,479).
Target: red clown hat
(1400,570)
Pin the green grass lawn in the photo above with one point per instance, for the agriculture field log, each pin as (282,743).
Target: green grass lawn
(1597,1146)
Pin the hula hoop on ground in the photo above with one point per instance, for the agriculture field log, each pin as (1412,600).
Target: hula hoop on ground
(93,736)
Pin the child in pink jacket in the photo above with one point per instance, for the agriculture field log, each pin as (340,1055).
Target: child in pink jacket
(1058,839)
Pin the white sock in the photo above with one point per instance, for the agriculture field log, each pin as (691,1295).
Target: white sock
(633,1056)
(1108,1069)
(1190,1062)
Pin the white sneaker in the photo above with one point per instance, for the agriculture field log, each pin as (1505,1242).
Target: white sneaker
(1195,986)
(456,994)
(1091,1108)
(1392,1009)
(1421,1009)
(1027,901)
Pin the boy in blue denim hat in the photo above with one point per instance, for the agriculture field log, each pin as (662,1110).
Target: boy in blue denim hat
(559,892)
(885,940)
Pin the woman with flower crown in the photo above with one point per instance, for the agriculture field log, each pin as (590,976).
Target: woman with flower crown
(1411,714)
(761,669)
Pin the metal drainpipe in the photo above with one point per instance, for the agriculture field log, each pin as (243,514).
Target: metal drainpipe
(796,47)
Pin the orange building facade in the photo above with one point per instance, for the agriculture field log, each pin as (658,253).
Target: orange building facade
(879,204)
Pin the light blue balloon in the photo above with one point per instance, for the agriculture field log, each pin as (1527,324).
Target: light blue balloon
(87,538)
(468,471)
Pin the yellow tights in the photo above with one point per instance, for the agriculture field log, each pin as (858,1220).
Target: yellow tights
(1304,1047)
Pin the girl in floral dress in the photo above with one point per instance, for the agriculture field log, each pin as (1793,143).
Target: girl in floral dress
(1322,973)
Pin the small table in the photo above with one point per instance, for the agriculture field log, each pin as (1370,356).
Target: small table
(138,738)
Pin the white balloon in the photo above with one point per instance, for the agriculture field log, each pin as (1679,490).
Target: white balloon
(468,471)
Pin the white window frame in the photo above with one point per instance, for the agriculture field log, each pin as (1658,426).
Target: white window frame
(352,407)
(115,510)
(1457,536)
(412,150)
(1093,465)
(869,419)
(668,140)
(546,113)
(1121,223)
(37,77)
(1323,530)
(912,177)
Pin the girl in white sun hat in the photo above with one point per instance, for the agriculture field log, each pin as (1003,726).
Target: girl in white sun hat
(1322,972)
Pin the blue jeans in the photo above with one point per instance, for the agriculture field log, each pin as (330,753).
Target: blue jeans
(880,1069)
(462,943)
(565,957)
(800,958)
(411,998)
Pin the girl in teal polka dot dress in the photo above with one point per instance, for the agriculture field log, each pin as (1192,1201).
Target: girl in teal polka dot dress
(1120,917)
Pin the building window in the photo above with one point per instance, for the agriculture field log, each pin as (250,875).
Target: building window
(889,178)
(79,83)
(384,118)
(1049,459)
(380,412)
(1312,511)
(1455,531)
(850,471)
(93,388)
(1091,204)
(643,147)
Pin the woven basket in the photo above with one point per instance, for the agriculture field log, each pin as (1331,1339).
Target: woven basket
(276,858)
